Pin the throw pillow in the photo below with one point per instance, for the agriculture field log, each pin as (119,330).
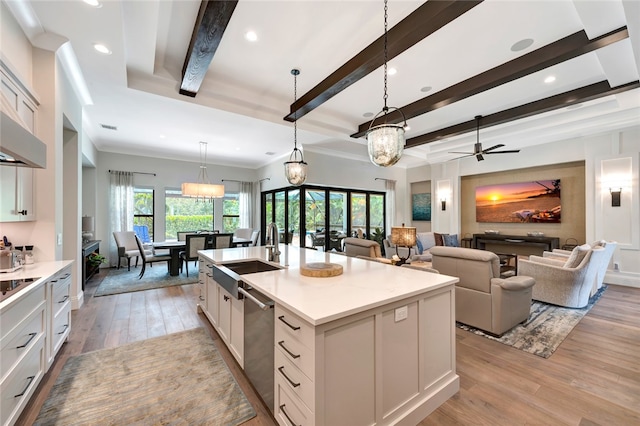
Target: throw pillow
(577,255)
(427,239)
(439,239)
(451,240)
(420,247)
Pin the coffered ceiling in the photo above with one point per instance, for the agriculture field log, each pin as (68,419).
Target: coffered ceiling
(470,66)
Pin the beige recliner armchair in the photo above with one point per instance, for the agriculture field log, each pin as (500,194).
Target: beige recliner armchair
(483,299)
(359,247)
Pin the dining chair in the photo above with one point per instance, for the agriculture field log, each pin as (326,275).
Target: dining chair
(127,248)
(219,241)
(149,258)
(255,235)
(182,235)
(194,242)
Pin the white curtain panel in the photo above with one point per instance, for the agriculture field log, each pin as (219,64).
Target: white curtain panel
(390,187)
(246,204)
(121,207)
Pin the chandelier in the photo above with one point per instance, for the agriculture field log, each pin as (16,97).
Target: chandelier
(203,188)
(385,141)
(295,169)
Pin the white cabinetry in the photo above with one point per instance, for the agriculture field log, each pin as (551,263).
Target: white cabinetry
(17,194)
(22,103)
(59,313)
(368,368)
(22,352)
(225,313)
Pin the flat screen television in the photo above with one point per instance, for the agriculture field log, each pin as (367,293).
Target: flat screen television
(521,202)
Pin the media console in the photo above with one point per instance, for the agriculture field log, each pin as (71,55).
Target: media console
(521,244)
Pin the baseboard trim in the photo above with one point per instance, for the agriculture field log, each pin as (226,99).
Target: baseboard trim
(628,279)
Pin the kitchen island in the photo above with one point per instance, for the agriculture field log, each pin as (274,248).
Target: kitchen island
(375,345)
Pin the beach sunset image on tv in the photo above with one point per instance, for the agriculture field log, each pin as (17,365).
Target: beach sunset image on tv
(533,202)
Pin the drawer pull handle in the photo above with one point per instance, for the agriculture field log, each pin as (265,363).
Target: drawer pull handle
(64,329)
(287,416)
(281,318)
(66,276)
(64,299)
(226,298)
(28,341)
(291,354)
(30,379)
(54,281)
(209,275)
(294,384)
(201,298)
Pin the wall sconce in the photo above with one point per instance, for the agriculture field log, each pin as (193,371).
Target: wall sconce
(443,203)
(615,196)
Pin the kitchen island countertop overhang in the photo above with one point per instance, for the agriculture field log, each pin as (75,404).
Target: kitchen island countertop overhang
(363,285)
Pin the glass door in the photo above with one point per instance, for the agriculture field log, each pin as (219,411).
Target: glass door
(337,219)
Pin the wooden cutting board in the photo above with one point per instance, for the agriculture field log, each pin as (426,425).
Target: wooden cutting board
(320,270)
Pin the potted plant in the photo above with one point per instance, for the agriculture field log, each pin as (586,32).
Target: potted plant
(95,259)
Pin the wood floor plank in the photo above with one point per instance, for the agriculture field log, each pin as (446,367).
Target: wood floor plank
(592,379)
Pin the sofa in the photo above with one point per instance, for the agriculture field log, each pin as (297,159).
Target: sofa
(422,250)
(565,283)
(483,299)
(360,247)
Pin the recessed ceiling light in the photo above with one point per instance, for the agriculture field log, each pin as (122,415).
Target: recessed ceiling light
(251,36)
(550,79)
(392,71)
(162,136)
(367,114)
(426,88)
(94,3)
(521,45)
(102,49)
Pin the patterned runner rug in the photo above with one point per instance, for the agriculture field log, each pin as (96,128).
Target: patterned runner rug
(123,281)
(547,326)
(178,379)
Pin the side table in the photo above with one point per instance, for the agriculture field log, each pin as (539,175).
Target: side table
(88,271)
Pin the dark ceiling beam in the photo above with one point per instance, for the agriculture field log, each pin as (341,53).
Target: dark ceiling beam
(572,97)
(555,53)
(210,25)
(422,22)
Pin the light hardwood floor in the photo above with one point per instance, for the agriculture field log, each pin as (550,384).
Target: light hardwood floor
(592,379)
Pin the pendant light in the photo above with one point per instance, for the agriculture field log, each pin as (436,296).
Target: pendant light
(295,169)
(203,188)
(386,141)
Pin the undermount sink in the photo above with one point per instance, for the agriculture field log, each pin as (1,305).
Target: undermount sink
(250,267)
(228,275)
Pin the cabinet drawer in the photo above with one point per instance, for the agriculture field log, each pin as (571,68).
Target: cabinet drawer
(294,326)
(21,309)
(60,328)
(19,385)
(61,293)
(298,383)
(289,410)
(18,343)
(294,351)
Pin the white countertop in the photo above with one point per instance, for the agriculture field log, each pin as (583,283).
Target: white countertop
(363,284)
(41,270)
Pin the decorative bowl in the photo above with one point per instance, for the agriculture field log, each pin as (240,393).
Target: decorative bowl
(535,234)
(491,232)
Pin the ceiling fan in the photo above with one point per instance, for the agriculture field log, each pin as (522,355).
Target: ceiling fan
(477,148)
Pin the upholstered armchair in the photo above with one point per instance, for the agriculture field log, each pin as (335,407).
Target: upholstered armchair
(127,247)
(609,246)
(483,299)
(565,283)
(356,246)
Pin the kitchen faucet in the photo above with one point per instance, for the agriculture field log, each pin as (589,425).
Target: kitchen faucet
(273,242)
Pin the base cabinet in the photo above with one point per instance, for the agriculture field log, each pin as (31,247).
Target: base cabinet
(59,312)
(368,368)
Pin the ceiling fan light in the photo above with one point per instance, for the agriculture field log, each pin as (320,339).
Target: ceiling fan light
(385,144)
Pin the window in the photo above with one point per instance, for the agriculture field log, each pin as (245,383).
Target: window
(186,214)
(143,209)
(230,212)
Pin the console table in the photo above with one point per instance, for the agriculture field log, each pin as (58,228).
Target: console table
(87,270)
(523,244)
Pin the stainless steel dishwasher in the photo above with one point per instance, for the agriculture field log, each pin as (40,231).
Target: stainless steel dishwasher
(258,341)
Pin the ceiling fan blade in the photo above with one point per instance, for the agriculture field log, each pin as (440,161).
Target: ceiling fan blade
(464,156)
(479,157)
(493,147)
(461,152)
(511,151)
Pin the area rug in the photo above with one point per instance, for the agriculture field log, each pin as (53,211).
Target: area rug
(547,326)
(123,281)
(177,379)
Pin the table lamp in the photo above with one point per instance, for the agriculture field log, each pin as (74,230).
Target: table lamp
(87,228)
(404,237)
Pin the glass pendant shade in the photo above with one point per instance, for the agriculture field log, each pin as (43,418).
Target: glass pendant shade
(385,143)
(202,188)
(296,169)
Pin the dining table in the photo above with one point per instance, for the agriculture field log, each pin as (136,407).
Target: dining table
(174,248)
